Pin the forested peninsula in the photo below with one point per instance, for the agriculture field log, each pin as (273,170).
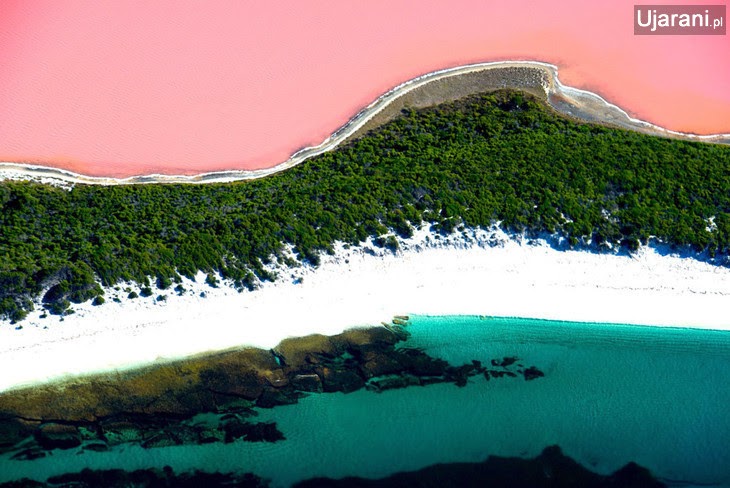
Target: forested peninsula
(501,158)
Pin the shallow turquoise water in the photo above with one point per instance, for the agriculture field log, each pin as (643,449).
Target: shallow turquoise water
(611,394)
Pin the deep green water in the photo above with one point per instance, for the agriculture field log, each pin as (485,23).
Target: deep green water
(611,394)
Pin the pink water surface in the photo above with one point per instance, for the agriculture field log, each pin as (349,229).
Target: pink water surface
(120,88)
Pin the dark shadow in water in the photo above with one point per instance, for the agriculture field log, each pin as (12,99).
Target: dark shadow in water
(550,469)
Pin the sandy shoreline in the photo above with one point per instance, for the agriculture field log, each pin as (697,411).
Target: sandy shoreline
(577,103)
(487,274)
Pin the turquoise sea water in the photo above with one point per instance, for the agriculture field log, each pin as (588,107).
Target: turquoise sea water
(611,394)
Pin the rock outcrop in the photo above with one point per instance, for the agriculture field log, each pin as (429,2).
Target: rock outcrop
(157,406)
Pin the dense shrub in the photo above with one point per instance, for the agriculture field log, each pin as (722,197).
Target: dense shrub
(500,157)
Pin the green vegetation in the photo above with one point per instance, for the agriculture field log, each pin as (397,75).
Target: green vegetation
(164,282)
(492,158)
(211,280)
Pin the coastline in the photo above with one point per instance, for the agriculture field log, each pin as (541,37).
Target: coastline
(573,102)
(483,273)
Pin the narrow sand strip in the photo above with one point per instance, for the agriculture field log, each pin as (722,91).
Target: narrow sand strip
(488,274)
(575,102)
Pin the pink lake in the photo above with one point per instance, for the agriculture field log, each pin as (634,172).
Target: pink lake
(110,88)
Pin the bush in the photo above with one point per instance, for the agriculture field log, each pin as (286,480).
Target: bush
(211,280)
(163,283)
(388,242)
(59,307)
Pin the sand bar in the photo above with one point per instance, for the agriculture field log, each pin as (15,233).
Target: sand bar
(487,274)
(532,76)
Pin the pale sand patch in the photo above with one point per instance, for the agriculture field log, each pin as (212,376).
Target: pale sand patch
(492,275)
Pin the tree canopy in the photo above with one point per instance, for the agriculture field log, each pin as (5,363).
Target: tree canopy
(500,157)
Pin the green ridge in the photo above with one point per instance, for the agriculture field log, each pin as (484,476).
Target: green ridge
(498,157)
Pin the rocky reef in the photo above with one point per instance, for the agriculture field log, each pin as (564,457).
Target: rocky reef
(160,406)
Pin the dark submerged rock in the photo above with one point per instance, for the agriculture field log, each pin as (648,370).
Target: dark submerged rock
(377,363)
(532,373)
(508,361)
(23,483)
(392,382)
(96,447)
(271,398)
(14,430)
(151,478)
(634,476)
(252,432)
(418,363)
(341,379)
(307,382)
(551,469)
(57,436)
(29,454)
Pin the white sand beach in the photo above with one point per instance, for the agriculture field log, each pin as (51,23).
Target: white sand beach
(485,274)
